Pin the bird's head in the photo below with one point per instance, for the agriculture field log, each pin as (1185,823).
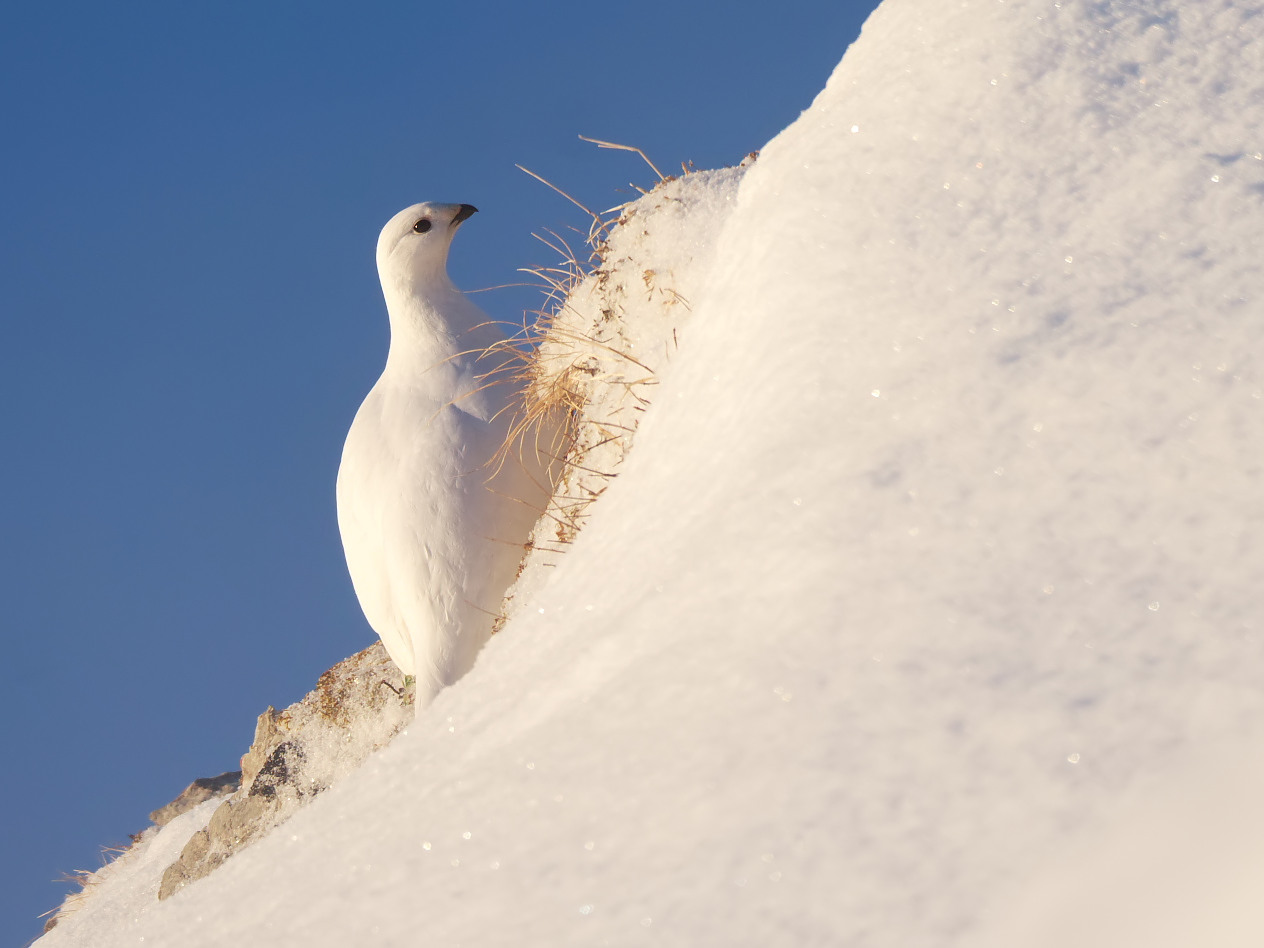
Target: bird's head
(412,250)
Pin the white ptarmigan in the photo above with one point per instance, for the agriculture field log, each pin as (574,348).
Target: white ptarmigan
(433,528)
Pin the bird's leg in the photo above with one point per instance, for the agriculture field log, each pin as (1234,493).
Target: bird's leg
(407,693)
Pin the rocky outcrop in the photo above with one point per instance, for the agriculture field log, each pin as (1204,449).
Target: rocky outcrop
(199,791)
(356,707)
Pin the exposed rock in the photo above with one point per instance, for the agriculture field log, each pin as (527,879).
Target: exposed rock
(261,746)
(356,707)
(199,791)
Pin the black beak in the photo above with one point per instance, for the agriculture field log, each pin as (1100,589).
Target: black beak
(467,210)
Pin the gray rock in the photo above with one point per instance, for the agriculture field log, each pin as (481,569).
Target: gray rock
(356,707)
(199,791)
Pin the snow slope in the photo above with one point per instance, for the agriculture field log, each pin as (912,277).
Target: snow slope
(938,551)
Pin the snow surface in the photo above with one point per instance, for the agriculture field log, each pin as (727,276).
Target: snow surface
(930,589)
(126,887)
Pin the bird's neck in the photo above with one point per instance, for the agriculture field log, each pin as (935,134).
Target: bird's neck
(432,324)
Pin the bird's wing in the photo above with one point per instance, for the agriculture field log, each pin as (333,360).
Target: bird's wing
(366,493)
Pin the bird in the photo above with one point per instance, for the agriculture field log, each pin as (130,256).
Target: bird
(434,518)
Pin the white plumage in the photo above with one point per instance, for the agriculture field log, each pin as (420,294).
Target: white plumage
(432,527)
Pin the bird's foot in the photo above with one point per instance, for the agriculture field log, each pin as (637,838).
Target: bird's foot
(407,693)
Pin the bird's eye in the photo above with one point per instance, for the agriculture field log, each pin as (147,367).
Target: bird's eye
(421,226)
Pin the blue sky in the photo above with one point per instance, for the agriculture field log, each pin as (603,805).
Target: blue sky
(191,317)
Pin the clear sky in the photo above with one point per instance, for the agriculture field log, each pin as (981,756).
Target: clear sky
(191,196)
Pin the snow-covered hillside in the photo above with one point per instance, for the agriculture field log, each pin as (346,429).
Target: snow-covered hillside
(930,589)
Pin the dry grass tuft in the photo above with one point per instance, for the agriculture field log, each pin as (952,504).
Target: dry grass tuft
(84,880)
(565,368)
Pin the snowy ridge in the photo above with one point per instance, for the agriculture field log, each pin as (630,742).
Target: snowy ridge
(939,551)
(127,886)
